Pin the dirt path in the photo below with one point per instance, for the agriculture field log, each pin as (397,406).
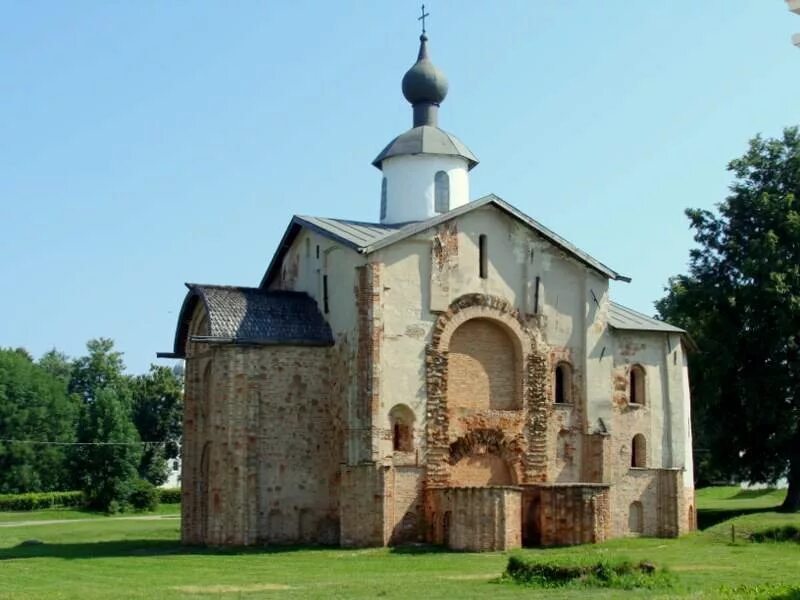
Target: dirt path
(63,521)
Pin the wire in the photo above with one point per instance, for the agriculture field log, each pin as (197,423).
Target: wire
(37,442)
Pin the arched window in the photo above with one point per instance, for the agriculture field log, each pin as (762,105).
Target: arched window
(636,518)
(401,418)
(562,386)
(383,199)
(639,451)
(636,383)
(441,190)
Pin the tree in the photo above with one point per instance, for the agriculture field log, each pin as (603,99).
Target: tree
(57,364)
(107,461)
(100,368)
(741,303)
(34,409)
(105,465)
(157,414)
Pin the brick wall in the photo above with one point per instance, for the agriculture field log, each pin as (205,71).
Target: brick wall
(403,512)
(368,364)
(483,369)
(265,458)
(475,518)
(362,505)
(562,514)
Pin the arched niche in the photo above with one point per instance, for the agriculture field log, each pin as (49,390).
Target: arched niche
(401,427)
(484,367)
(531,385)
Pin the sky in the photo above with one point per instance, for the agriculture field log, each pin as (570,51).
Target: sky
(146,144)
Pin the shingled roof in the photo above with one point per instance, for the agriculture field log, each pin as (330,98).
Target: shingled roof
(244,315)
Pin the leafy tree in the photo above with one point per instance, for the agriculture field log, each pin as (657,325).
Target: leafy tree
(107,462)
(741,302)
(34,407)
(100,368)
(57,364)
(157,413)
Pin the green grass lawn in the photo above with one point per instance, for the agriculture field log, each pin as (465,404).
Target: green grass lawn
(73,514)
(105,557)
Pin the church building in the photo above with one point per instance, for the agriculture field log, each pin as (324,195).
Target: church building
(454,373)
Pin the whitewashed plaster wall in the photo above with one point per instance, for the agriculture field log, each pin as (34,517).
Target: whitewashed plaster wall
(410,185)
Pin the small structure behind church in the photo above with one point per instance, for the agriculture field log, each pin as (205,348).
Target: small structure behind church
(453,373)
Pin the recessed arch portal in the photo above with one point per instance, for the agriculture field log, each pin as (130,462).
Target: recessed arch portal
(500,320)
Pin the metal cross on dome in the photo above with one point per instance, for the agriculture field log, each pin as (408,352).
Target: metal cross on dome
(422,18)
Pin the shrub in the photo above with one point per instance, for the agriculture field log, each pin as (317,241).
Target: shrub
(787,533)
(618,574)
(170,495)
(143,496)
(40,500)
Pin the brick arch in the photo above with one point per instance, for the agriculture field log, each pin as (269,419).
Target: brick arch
(534,366)
(493,442)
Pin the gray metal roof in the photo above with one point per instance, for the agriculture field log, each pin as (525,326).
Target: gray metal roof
(244,315)
(622,317)
(366,238)
(426,139)
(356,234)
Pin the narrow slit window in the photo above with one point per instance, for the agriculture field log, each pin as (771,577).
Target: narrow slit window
(317,251)
(563,384)
(325,293)
(483,258)
(383,199)
(636,383)
(441,189)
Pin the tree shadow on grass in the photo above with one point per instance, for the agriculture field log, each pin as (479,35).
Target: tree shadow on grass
(419,549)
(142,547)
(747,494)
(708,517)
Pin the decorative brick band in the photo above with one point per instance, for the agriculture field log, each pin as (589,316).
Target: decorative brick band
(536,408)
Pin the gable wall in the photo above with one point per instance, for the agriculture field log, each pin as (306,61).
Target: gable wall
(424,274)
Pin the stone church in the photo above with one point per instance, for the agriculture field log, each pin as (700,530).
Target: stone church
(455,373)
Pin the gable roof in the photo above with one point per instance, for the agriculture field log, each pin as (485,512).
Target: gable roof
(622,317)
(366,238)
(244,315)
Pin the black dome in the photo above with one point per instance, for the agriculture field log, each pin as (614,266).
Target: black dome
(423,82)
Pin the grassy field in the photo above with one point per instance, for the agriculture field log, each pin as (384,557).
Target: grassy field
(102,557)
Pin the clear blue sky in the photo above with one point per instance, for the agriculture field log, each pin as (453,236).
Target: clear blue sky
(144,144)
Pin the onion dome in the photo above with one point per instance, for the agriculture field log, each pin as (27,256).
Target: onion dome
(423,83)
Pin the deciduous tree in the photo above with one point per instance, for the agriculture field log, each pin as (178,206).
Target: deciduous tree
(36,414)
(740,300)
(157,414)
